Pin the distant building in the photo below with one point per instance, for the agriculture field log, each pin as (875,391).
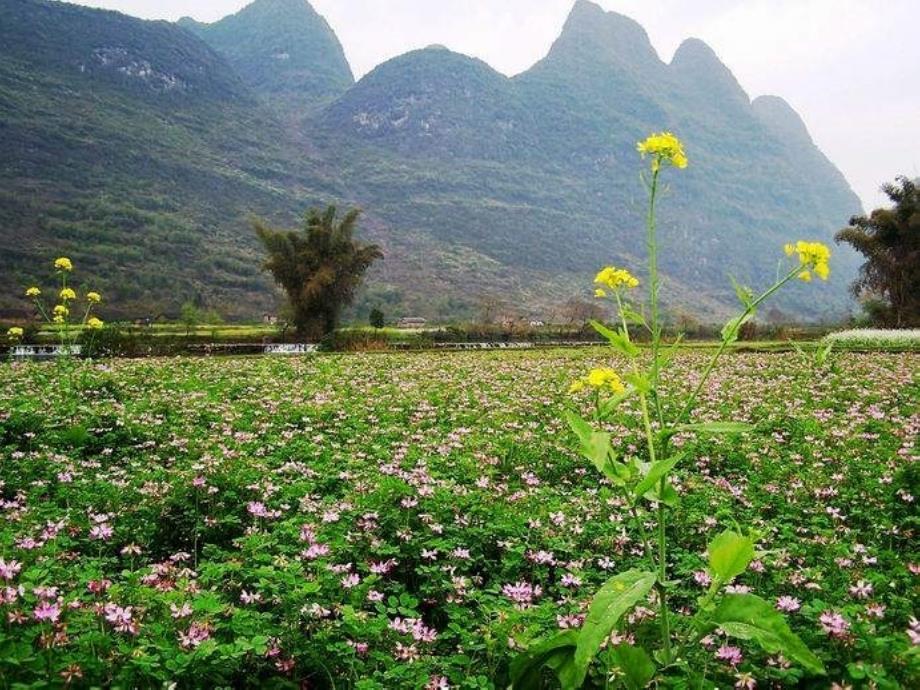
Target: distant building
(269,319)
(537,324)
(411,322)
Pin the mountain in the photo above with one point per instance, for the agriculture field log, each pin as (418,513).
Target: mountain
(537,174)
(477,185)
(135,149)
(283,50)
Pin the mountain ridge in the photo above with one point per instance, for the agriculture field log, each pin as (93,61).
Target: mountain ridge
(283,50)
(476,183)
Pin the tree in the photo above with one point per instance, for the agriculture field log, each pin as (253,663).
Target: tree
(376,318)
(889,238)
(319,268)
(190,316)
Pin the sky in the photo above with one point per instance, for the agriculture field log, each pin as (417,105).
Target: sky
(849,67)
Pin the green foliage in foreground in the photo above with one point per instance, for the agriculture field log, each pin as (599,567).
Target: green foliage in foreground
(272,500)
(647,478)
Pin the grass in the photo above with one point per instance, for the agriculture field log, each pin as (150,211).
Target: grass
(373,520)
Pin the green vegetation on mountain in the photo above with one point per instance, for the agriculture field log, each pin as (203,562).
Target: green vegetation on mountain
(132,147)
(533,171)
(283,50)
(142,148)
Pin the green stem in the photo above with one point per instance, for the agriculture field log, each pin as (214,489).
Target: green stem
(646,544)
(640,526)
(662,541)
(654,284)
(714,588)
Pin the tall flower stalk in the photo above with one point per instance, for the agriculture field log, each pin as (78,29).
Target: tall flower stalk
(60,316)
(648,481)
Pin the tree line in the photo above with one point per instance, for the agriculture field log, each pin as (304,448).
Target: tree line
(321,266)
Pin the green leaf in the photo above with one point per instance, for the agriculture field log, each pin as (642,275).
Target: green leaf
(619,473)
(609,405)
(744,293)
(638,669)
(563,665)
(655,473)
(639,382)
(525,668)
(633,317)
(668,495)
(595,445)
(615,598)
(748,617)
(733,327)
(729,555)
(619,340)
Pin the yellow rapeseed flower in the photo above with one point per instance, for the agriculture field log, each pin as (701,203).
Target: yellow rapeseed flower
(61,310)
(94,324)
(616,278)
(600,294)
(67,294)
(33,292)
(63,264)
(93,297)
(663,147)
(604,378)
(58,319)
(15,333)
(813,256)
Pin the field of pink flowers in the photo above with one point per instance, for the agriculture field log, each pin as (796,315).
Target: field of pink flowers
(413,520)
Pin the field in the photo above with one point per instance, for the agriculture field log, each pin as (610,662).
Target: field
(413,520)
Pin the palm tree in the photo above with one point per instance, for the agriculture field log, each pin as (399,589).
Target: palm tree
(319,268)
(889,238)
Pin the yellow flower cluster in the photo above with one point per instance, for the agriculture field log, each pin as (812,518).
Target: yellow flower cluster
(813,256)
(63,264)
(614,278)
(663,147)
(67,296)
(15,333)
(605,378)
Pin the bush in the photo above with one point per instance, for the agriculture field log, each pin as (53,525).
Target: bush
(873,338)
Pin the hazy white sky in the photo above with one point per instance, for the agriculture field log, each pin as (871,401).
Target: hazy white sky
(850,67)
